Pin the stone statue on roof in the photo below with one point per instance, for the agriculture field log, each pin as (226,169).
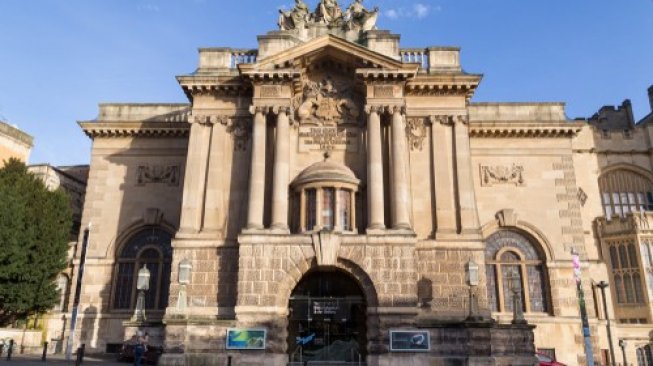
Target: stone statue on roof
(296,18)
(328,12)
(359,18)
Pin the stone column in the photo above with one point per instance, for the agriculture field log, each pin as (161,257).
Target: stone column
(281,172)
(469,221)
(199,145)
(375,204)
(257,171)
(400,196)
(443,175)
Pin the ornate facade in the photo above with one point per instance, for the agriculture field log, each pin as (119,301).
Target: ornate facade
(331,188)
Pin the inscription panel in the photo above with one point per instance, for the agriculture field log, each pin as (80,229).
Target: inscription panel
(328,139)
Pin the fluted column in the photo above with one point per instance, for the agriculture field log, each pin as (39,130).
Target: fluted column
(281,172)
(257,171)
(400,196)
(375,204)
(469,221)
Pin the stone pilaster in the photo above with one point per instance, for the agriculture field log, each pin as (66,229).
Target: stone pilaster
(199,144)
(214,203)
(257,170)
(443,170)
(281,172)
(400,196)
(375,204)
(469,221)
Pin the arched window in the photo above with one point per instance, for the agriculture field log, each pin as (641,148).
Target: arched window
(509,254)
(151,248)
(326,193)
(624,191)
(625,270)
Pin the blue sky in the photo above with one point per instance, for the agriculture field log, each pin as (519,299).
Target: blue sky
(60,58)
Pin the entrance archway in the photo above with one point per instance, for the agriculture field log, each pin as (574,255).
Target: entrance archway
(327,318)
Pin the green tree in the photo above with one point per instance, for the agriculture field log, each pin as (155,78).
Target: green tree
(34,234)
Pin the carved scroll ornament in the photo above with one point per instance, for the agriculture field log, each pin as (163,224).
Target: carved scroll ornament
(416,133)
(501,174)
(152,174)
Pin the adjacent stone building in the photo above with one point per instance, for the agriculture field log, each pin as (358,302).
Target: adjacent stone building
(14,143)
(336,191)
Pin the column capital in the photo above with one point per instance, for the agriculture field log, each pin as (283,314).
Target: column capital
(281,110)
(399,108)
(442,119)
(369,109)
(254,109)
(463,119)
(208,119)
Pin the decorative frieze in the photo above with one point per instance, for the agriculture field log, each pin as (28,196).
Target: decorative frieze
(416,132)
(501,174)
(384,91)
(158,174)
(270,91)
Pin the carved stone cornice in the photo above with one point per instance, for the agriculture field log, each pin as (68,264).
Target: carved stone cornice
(524,129)
(371,75)
(135,129)
(434,85)
(214,85)
(270,77)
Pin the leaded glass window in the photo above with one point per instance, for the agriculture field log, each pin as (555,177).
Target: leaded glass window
(624,191)
(626,270)
(509,252)
(151,248)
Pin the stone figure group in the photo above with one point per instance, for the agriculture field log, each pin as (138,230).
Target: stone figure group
(329,13)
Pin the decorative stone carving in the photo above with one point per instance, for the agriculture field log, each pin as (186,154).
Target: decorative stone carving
(441,119)
(384,91)
(416,132)
(327,103)
(241,130)
(506,217)
(501,174)
(329,13)
(270,91)
(582,196)
(148,174)
(326,245)
(359,18)
(295,18)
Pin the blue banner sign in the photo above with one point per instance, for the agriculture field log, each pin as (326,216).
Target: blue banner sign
(246,339)
(410,341)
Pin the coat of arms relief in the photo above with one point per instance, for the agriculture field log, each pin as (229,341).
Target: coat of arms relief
(328,109)
(327,103)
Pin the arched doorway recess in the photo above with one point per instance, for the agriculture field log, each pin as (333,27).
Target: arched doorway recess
(327,318)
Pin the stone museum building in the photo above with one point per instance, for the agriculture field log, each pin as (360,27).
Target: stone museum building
(331,196)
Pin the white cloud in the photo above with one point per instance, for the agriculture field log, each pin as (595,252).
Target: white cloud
(421,10)
(392,14)
(417,10)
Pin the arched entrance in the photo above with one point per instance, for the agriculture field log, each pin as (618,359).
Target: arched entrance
(327,320)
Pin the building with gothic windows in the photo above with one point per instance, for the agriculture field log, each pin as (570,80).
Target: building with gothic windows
(331,196)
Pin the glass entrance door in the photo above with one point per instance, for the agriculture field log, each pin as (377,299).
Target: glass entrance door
(327,319)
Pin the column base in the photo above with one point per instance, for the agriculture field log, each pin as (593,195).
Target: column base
(376,230)
(280,229)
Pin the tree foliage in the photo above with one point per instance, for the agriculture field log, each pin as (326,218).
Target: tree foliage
(34,234)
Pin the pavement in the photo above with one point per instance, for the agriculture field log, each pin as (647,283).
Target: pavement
(59,360)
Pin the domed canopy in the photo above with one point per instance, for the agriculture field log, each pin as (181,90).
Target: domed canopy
(326,171)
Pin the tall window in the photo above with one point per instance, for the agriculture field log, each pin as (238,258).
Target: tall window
(625,271)
(150,248)
(509,254)
(623,191)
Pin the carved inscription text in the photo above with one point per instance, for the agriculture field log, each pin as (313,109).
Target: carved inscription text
(328,138)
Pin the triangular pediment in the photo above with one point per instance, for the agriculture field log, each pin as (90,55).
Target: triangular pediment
(330,45)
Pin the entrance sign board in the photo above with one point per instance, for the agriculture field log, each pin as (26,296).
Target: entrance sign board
(246,339)
(410,341)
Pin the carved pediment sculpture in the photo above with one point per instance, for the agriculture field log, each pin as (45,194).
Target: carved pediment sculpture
(329,13)
(325,103)
(295,18)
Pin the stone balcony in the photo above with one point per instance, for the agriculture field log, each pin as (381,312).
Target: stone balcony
(631,224)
